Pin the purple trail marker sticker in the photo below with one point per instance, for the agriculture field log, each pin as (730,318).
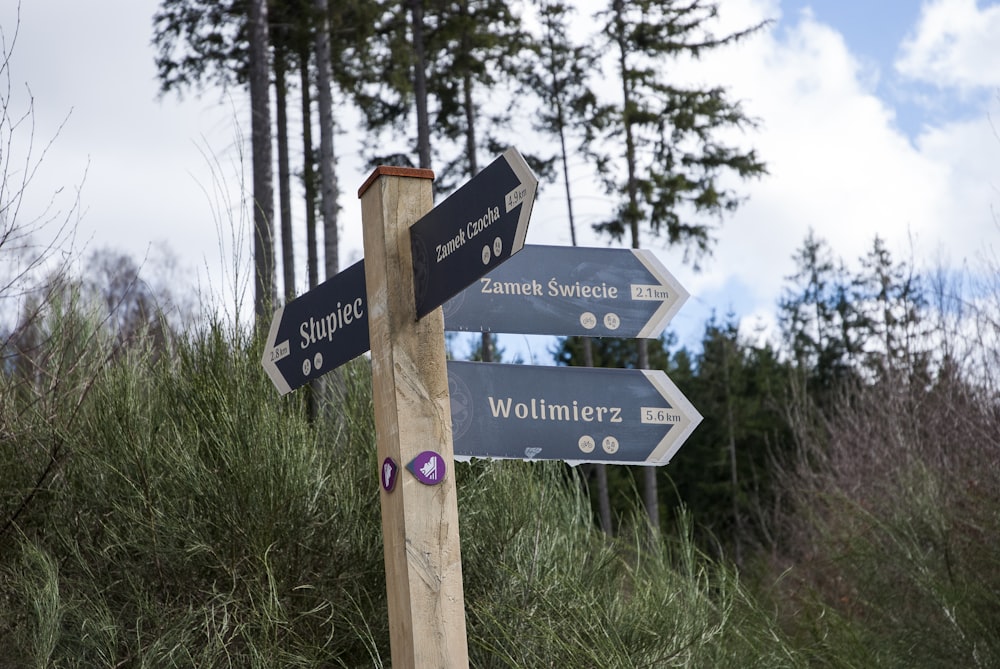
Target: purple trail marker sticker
(388,474)
(428,467)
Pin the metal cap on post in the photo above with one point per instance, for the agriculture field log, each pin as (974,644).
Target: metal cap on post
(413,424)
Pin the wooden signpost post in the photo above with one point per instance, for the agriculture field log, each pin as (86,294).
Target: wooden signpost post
(423,562)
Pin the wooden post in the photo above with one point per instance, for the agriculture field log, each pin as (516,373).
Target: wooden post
(423,562)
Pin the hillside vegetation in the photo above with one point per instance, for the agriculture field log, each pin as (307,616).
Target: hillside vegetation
(162,506)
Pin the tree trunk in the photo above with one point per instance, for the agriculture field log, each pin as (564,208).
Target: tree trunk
(309,183)
(284,187)
(470,151)
(327,161)
(733,473)
(600,469)
(420,85)
(308,175)
(260,137)
(650,494)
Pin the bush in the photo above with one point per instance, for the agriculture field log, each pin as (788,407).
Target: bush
(195,518)
(894,529)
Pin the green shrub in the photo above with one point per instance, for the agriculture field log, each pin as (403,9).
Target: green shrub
(891,552)
(197,519)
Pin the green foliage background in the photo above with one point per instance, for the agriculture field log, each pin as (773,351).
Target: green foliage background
(163,507)
(194,518)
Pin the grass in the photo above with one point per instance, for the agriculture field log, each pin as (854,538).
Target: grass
(166,508)
(891,538)
(197,519)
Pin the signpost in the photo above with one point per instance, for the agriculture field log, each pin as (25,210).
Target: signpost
(474,230)
(478,227)
(318,331)
(568,290)
(574,414)
(415,259)
(428,411)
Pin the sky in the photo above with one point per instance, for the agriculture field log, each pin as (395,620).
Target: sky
(874,119)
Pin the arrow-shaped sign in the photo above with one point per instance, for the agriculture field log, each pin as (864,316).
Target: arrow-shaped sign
(566,290)
(318,331)
(475,229)
(575,414)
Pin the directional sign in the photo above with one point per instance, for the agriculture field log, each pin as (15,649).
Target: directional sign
(318,331)
(566,290)
(575,414)
(478,227)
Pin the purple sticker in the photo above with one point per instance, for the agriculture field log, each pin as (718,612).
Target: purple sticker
(388,474)
(428,467)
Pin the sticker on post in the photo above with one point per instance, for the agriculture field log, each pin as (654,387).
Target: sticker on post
(428,467)
(388,474)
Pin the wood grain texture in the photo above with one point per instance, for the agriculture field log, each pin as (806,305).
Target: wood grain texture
(412,414)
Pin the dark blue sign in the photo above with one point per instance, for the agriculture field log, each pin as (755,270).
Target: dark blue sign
(568,290)
(574,414)
(475,229)
(318,331)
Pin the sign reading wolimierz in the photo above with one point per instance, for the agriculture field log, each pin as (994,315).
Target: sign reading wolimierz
(567,290)
(575,414)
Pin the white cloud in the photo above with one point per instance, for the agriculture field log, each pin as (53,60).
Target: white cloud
(839,164)
(953,45)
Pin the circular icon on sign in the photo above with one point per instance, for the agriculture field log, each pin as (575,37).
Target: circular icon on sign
(586,443)
(610,445)
(611,321)
(486,254)
(588,320)
(318,361)
(497,247)
(306,367)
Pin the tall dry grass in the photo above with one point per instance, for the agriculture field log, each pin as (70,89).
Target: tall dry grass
(892,519)
(196,519)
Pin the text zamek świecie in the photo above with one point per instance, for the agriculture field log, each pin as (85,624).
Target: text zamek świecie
(553,288)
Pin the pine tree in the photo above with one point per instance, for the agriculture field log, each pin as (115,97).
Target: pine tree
(660,152)
(558,72)
(724,474)
(892,299)
(822,326)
